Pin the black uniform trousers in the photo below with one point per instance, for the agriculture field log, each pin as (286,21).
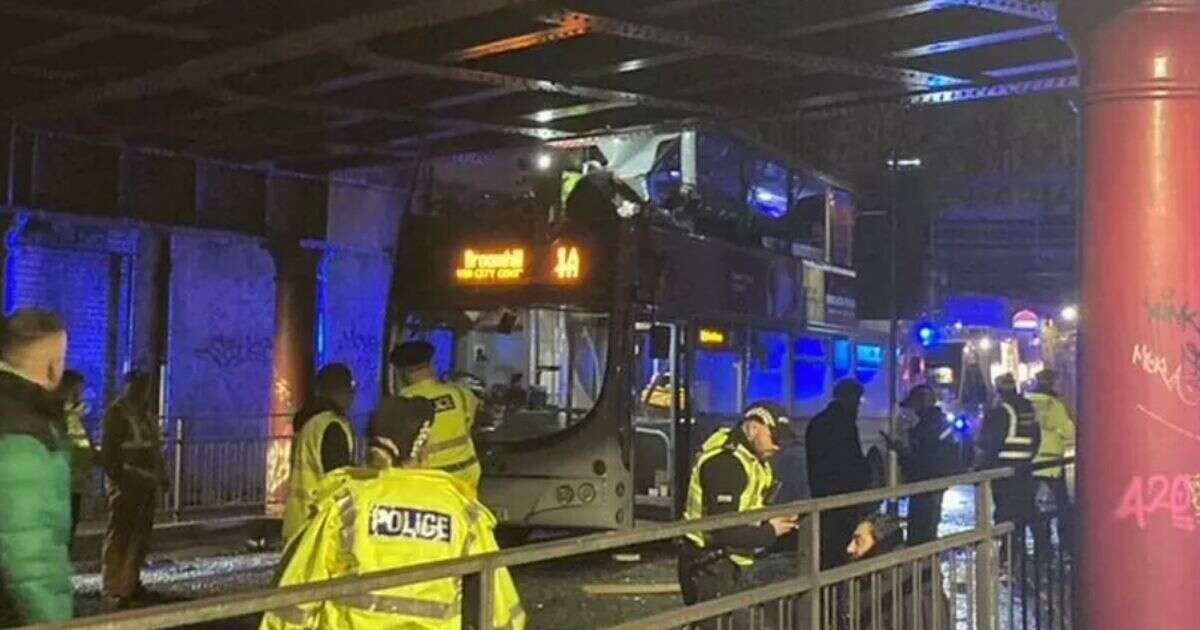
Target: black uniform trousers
(704,576)
(1014,498)
(924,516)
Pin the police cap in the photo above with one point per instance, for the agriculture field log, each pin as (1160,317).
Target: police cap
(412,354)
(776,419)
(397,426)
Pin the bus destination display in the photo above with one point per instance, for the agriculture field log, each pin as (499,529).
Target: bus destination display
(561,263)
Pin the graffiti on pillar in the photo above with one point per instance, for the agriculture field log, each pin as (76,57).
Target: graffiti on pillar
(1171,373)
(364,347)
(284,395)
(1162,498)
(227,351)
(1173,312)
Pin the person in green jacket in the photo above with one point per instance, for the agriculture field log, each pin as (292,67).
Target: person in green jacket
(35,521)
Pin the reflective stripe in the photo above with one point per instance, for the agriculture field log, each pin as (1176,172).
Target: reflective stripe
(1020,440)
(349,514)
(516,617)
(137,444)
(1023,455)
(455,467)
(462,440)
(399,606)
(294,615)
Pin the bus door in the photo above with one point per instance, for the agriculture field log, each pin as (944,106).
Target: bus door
(717,390)
(659,398)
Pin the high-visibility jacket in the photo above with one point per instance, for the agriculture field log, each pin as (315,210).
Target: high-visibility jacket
(759,481)
(1058,432)
(81,449)
(306,473)
(570,179)
(131,446)
(450,447)
(370,520)
(1022,435)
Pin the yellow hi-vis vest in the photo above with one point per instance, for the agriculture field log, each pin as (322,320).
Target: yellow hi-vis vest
(370,520)
(570,179)
(450,447)
(306,472)
(81,449)
(759,479)
(1058,433)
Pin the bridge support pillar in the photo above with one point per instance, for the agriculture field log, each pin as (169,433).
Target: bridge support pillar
(293,357)
(1139,417)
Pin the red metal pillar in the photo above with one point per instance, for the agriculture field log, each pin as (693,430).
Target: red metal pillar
(292,365)
(1139,472)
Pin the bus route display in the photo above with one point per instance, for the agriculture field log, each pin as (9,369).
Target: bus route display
(506,265)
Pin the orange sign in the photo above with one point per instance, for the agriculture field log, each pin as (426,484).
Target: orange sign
(712,337)
(491,267)
(567,266)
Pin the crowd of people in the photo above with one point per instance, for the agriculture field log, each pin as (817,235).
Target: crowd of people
(416,500)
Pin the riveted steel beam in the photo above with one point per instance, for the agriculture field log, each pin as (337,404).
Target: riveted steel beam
(110,22)
(978,41)
(392,113)
(472,53)
(329,36)
(718,45)
(1040,11)
(531,84)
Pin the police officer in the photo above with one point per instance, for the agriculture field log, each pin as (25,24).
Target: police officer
(450,445)
(731,474)
(1058,441)
(395,514)
(322,442)
(1010,436)
(929,452)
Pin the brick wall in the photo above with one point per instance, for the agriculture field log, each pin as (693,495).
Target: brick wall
(79,286)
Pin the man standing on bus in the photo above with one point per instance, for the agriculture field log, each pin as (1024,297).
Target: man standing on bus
(731,474)
(836,465)
(450,445)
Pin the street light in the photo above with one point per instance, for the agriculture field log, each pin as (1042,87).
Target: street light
(1070,314)
(985,344)
(544,161)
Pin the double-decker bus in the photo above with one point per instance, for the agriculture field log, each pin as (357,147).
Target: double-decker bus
(606,354)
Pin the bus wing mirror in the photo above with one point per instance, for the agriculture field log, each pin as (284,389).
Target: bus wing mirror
(660,342)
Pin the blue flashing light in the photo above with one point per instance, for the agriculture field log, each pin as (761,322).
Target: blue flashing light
(927,334)
(960,423)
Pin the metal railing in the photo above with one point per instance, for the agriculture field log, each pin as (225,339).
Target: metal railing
(811,599)
(207,474)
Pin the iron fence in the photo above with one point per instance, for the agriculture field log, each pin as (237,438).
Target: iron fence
(958,574)
(211,474)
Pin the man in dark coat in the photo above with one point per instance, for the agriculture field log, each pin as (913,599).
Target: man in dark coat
(836,465)
(930,452)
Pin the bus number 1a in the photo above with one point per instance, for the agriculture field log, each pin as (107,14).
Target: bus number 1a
(568,264)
